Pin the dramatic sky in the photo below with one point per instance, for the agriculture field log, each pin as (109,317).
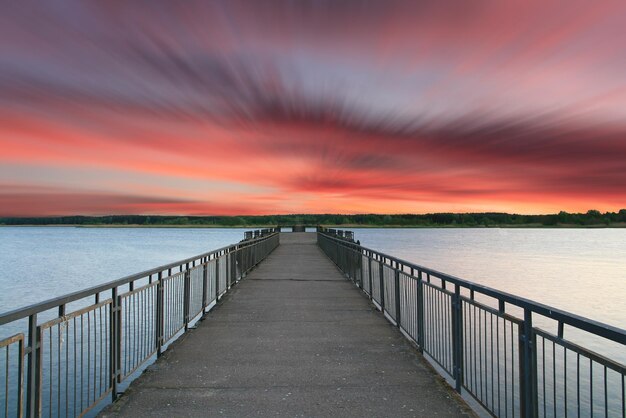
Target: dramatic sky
(256,107)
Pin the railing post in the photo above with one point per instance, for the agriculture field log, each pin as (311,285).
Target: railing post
(187,295)
(250,257)
(205,282)
(342,261)
(420,311)
(528,370)
(381,277)
(246,260)
(116,341)
(33,389)
(229,282)
(339,258)
(457,338)
(350,263)
(369,273)
(240,262)
(358,265)
(347,261)
(397,291)
(233,263)
(256,254)
(354,265)
(217,278)
(159,317)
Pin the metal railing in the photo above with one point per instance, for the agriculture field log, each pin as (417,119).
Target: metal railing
(80,347)
(259,233)
(489,349)
(337,233)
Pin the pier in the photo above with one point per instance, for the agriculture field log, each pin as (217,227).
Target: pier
(302,324)
(295,338)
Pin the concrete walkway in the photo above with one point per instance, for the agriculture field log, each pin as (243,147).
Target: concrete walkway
(294,338)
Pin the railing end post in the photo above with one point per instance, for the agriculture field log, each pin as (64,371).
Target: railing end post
(527,366)
(33,392)
(457,338)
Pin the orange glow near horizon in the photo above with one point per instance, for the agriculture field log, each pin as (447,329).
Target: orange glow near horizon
(224,109)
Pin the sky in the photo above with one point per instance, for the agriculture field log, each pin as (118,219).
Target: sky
(276,107)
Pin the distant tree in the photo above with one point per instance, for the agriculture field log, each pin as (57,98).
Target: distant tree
(564,217)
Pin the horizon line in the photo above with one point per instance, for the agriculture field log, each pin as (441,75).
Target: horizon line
(617,211)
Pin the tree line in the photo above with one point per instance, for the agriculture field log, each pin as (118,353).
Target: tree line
(589,218)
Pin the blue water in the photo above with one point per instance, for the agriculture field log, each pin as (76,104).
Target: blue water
(582,271)
(579,270)
(38,263)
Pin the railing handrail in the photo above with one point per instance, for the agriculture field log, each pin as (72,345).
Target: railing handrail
(26,311)
(434,310)
(601,329)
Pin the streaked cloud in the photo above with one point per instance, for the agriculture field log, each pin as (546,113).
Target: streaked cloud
(313,106)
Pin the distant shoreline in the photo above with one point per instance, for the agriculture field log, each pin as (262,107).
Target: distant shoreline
(589,219)
(618,225)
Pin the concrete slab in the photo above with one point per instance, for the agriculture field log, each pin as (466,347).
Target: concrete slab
(294,338)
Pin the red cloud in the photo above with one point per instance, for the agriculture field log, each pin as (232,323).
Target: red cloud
(247,108)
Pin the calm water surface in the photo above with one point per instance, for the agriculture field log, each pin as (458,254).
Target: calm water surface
(582,271)
(39,263)
(579,270)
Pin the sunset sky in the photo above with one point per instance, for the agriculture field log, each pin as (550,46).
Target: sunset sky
(264,107)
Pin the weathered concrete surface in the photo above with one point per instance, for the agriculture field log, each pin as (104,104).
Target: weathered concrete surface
(292,339)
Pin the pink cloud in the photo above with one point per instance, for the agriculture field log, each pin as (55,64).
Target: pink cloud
(412,107)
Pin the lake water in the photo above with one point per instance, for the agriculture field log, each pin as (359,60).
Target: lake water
(582,271)
(579,270)
(39,263)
